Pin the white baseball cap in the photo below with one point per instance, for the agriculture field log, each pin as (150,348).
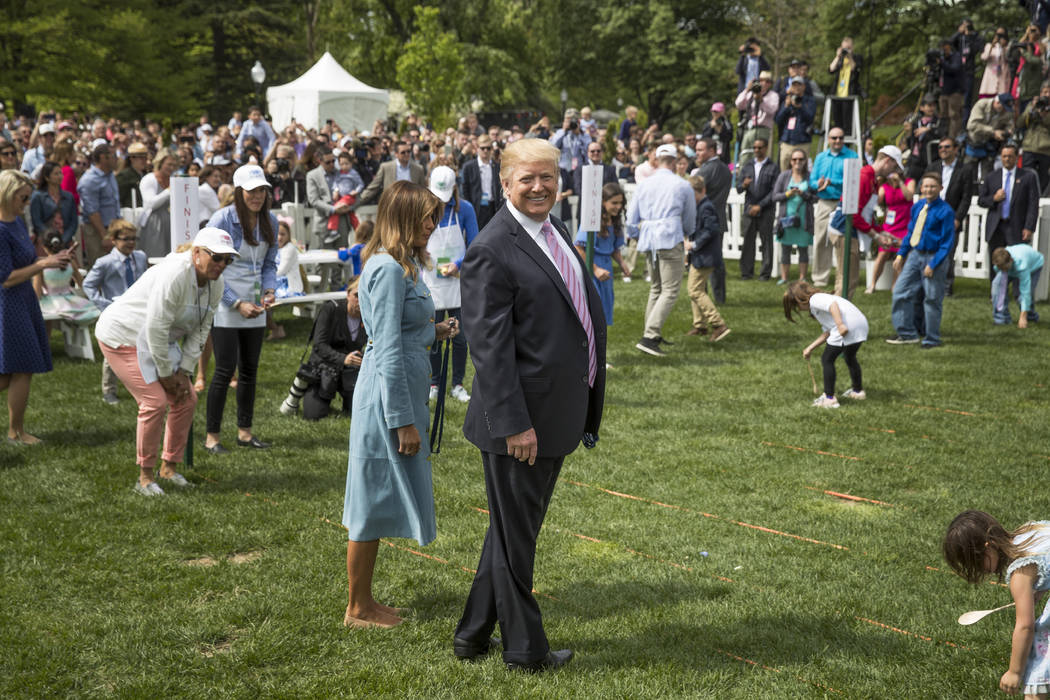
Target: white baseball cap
(46,128)
(894,153)
(668,150)
(442,182)
(216,240)
(249,177)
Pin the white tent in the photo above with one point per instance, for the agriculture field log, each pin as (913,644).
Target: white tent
(327,91)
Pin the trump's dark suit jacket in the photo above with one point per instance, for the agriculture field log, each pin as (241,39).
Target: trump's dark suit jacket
(1024,204)
(527,343)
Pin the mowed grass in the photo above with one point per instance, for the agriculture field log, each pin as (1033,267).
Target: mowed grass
(714,449)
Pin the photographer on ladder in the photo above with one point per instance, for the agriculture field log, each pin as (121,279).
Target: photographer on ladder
(846,67)
(1036,144)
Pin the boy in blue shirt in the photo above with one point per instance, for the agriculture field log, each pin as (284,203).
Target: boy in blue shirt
(1019,262)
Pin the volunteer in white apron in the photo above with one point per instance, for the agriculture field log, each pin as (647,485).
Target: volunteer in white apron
(446,247)
(152,336)
(240,323)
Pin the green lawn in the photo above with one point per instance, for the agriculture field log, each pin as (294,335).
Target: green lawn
(714,449)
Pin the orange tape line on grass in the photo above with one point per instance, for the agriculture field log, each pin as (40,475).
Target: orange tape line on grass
(776,670)
(806,449)
(760,528)
(907,633)
(848,497)
(942,410)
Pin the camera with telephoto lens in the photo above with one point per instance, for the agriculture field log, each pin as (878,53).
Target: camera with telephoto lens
(934,58)
(795,100)
(755,86)
(1042,104)
(574,125)
(283,165)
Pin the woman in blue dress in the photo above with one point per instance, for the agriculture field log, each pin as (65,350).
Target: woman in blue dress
(24,347)
(607,246)
(388,486)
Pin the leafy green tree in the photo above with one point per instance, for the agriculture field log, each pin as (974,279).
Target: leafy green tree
(430,68)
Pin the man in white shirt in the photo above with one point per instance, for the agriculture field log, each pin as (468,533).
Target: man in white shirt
(663,211)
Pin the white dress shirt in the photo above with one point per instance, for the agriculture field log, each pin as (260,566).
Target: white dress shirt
(486,177)
(535,229)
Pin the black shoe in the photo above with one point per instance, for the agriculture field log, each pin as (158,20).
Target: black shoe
(650,346)
(930,346)
(254,442)
(471,651)
(663,341)
(553,660)
(763,279)
(216,449)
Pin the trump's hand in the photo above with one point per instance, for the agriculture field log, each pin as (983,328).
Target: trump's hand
(927,271)
(898,264)
(522,446)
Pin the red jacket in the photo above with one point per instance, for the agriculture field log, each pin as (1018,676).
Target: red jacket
(867,189)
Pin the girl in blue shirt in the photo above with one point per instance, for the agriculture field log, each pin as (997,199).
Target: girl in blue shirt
(607,246)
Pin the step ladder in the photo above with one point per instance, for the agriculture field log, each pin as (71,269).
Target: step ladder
(854,136)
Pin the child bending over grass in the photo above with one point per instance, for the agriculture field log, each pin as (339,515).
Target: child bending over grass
(977,545)
(845,330)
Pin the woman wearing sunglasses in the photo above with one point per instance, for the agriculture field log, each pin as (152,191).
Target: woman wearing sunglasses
(240,322)
(152,335)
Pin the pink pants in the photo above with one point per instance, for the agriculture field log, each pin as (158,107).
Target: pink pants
(153,401)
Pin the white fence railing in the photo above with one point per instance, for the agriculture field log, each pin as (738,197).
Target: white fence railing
(971,255)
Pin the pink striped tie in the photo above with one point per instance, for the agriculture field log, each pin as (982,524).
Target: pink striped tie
(577,293)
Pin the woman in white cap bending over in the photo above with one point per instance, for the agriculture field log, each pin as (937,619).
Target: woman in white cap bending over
(152,335)
(446,248)
(240,322)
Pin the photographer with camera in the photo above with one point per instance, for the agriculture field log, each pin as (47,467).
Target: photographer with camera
(991,123)
(719,129)
(996,78)
(571,141)
(750,64)
(952,88)
(967,44)
(758,109)
(846,69)
(284,176)
(1027,55)
(1036,144)
(338,340)
(795,120)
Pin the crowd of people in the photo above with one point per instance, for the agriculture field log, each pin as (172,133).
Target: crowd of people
(470,229)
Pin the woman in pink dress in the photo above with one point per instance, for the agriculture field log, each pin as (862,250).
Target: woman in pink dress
(895,197)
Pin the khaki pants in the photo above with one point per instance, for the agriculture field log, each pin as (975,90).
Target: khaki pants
(630,253)
(839,243)
(109,378)
(663,292)
(705,314)
(820,261)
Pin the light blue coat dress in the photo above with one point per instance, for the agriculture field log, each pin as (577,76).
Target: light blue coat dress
(389,494)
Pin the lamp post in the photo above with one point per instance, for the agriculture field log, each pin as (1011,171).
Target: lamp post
(258,77)
(564,100)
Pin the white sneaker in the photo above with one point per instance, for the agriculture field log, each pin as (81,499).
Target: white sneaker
(433,392)
(855,395)
(178,480)
(626,279)
(150,489)
(460,394)
(823,401)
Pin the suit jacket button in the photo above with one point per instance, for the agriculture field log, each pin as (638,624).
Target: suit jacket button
(584,379)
